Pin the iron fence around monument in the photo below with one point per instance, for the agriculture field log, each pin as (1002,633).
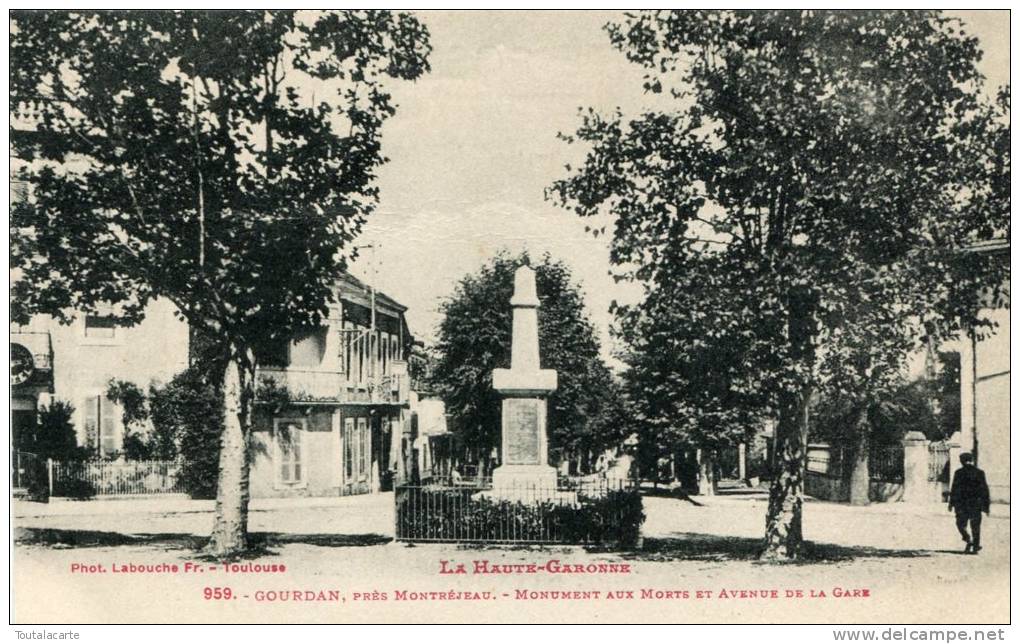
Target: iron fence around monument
(590,510)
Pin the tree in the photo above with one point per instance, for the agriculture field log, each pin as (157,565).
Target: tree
(585,412)
(143,440)
(186,409)
(53,438)
(221,160)
(55,435)
(703,401)
(814,161)
(848,420)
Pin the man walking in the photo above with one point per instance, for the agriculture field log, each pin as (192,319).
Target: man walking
(969,498)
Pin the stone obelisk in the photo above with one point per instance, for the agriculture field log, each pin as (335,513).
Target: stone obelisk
(524,388)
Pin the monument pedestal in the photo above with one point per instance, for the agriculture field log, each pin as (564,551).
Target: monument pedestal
(524,478)
(524,474)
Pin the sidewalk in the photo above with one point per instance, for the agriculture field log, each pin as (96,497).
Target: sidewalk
(369,514)
(739,495)
(998,510)
(178,503)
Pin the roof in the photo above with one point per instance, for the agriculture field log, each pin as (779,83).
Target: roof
(364,289)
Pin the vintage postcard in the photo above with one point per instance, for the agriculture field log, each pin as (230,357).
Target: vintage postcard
(369,316)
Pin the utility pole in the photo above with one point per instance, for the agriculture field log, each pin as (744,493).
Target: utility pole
(354,336)
(973,391)
(371,285)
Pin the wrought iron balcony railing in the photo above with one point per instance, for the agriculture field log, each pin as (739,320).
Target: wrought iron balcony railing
(310,385)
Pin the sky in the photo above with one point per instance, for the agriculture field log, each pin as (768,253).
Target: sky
(473,147)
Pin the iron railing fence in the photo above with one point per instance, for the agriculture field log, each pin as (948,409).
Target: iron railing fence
(577,511)
(938,462)
(884,463)
(456,480)
(588,482)
(24,467)
(108,478)
(316,384)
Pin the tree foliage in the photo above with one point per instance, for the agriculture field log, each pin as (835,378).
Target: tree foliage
(221,160)
(55,435)
(179,419)
(688,382)
(928,405)
(815,180)
(173,154)
(585,413)
(147,434)
(187,408)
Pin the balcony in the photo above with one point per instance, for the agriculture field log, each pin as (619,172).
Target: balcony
(391,388)
(314,385)
(302,384)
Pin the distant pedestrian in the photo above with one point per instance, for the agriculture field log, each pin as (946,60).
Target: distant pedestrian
(968,497)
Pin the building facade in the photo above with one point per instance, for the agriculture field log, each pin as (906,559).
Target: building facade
(343,421)
(333,406)
(75,363)
(984,387)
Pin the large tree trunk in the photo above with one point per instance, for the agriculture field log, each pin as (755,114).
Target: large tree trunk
(860,475)
(230,530)
(783,526)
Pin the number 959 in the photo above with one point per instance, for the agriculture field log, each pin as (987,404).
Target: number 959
(217,593)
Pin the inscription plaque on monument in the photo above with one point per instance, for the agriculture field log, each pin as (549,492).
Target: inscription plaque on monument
(522,427)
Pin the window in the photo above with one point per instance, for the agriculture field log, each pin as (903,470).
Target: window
(288,434)
(102,425)
(357,450)
(348,447)
(385,353)
(364,449)
(396,429)
(101,324)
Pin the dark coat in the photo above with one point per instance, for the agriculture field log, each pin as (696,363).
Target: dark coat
(969,493)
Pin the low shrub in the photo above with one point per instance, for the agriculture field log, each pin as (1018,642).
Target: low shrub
(74,488)
(612,519)
(36,481)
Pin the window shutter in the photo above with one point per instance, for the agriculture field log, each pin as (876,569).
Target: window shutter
(92,421)
(288,451)
(108,443)
(348,448)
